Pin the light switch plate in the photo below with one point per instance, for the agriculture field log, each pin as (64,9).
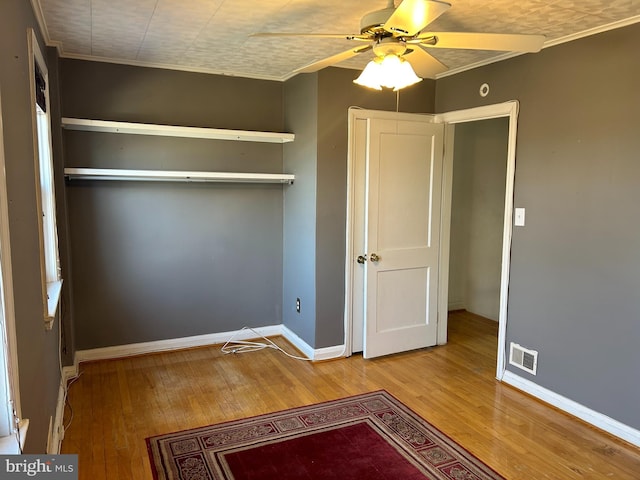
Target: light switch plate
(518,220)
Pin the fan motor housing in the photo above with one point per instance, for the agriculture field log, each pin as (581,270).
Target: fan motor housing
(389,45)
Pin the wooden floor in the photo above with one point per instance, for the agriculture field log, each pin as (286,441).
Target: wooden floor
(118,403)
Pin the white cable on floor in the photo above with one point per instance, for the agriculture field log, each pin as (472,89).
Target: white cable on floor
(245,346)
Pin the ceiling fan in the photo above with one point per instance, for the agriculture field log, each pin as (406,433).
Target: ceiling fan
(401,32)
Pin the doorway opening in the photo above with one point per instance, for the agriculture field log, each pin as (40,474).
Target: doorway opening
(508,111)
(476,227)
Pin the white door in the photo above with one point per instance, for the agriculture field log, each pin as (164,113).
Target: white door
(403,193)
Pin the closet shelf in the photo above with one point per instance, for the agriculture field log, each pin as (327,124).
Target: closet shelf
(174,131)
(174,176)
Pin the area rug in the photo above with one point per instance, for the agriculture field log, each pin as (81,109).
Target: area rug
(365,437)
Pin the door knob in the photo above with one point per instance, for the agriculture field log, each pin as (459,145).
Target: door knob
(361,259)
(374,257)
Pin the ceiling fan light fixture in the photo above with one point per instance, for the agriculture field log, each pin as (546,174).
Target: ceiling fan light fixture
(370,76)
(390,71)
(397,73)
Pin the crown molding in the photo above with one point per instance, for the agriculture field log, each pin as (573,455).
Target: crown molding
(482,63)
(550,43)
(38,13)
(166,66)
(592,31)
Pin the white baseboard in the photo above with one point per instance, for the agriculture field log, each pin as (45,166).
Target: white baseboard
(120,351)
(57,435)
(57,429)
(329,353)
(592,417)
(326,353)
(455,305)
(306,349)
(488,315)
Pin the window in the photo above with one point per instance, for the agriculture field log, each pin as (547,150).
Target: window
(49,258)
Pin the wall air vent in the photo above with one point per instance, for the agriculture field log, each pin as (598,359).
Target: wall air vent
(523,358)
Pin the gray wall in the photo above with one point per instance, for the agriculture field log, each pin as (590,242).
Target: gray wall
(301,158)
(574,282)
(37,348)
(154,261)
(66,306)
(316,109)
(477,216)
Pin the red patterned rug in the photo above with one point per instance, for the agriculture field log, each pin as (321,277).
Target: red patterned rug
(371,436)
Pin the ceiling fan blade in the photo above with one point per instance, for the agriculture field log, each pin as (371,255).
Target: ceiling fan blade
(344,36)
(424,64)
(485,41)
(411,16)
(327,62)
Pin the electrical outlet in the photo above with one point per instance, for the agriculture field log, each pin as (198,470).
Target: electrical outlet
(298,305)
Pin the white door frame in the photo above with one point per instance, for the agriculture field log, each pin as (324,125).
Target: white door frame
(509,110)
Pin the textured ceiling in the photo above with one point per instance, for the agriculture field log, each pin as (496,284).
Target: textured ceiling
(213,35)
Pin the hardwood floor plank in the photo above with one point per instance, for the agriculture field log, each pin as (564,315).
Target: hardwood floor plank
(118,403)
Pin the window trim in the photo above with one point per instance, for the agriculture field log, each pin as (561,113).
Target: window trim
(51,283)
